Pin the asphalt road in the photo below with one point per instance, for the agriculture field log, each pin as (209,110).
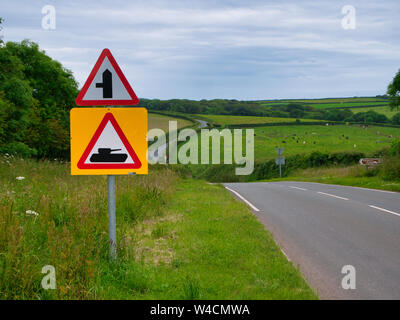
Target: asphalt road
(322,228)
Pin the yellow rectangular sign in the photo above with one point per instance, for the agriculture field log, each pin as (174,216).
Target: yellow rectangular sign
(108,141)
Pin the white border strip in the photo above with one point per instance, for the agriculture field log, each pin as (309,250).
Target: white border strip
(298,188)
(332,195)
(241,197)
(388,211)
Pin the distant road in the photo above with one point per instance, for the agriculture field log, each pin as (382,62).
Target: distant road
(322,228)
(161,149)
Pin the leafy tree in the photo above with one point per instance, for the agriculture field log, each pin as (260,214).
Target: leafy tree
(36,94)
(1,28)
(394,92)
(396,118)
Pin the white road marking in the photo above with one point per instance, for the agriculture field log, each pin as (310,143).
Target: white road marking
(395,213)
(241,197)
(297,188)
(332,195)
(285,255)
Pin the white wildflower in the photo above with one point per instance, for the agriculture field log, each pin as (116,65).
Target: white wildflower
(20,178)
(32,213)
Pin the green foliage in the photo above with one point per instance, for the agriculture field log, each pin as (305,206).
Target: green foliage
(394,92)
(36,94)
(396,119)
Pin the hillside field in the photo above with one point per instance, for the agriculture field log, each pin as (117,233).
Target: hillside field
(303,139)
(226,119)
(160,121)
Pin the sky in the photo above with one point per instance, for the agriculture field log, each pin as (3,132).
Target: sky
(206,49)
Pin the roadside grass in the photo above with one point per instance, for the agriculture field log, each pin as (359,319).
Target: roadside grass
(355,176)
(162,122)
(177,239)
(210,246)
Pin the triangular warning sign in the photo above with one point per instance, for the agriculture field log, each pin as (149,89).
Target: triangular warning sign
(109,148)
(106,85)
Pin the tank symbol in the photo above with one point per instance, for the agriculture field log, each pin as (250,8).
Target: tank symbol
(105,155)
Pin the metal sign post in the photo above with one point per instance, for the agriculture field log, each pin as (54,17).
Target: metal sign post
(280,160)
(112,231)
(108,141)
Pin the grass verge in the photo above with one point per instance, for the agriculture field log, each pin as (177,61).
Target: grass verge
(177,239)
(355,176)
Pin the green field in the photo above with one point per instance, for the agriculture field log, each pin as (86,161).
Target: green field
(328,100)
(347,105)
(226,120)
(327,139)
(304,139)
(156,120)
(383,110)
(177,239)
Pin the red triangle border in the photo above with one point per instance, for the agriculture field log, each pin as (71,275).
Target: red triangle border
(79,99)
(109,117)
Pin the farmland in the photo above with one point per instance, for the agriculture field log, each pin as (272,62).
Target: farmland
(226,120)
(161,121)
(383,110)
(304,139)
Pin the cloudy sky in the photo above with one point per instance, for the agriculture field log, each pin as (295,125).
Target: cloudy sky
(208,49)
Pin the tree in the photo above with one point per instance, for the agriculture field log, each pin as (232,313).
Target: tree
(394,92)
(36,94)
(1,28)
(396,119)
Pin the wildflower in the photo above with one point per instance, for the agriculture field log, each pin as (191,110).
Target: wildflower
(20,178)
(32,213)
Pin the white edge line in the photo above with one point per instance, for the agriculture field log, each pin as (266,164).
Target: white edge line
(395,213)
(332,195)
(285,255)
(297,188)
(241,197)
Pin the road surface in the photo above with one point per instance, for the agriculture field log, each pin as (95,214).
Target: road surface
(322,228)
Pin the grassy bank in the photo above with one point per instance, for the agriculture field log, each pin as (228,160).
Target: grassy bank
(177,239)
(355,176)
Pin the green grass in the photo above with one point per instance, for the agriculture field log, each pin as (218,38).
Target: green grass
(355,176)
(177,239)
(162,122)
(329,100)
(383,110)
(304,139)
(337,138)
(226,120)
(347,105)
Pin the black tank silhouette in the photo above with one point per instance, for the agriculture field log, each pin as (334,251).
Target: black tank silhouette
(105,155)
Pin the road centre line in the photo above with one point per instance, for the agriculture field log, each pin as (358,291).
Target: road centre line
(332,195)
(385,210)
(241,197)
(297,188)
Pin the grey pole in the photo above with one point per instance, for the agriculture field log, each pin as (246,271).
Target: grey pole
(111,217)
(280,170)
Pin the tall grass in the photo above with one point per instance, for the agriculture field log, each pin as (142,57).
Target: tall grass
(67,226)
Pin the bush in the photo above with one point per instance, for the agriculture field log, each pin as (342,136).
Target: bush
(18,149)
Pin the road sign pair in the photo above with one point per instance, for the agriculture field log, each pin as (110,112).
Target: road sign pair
(108,140)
